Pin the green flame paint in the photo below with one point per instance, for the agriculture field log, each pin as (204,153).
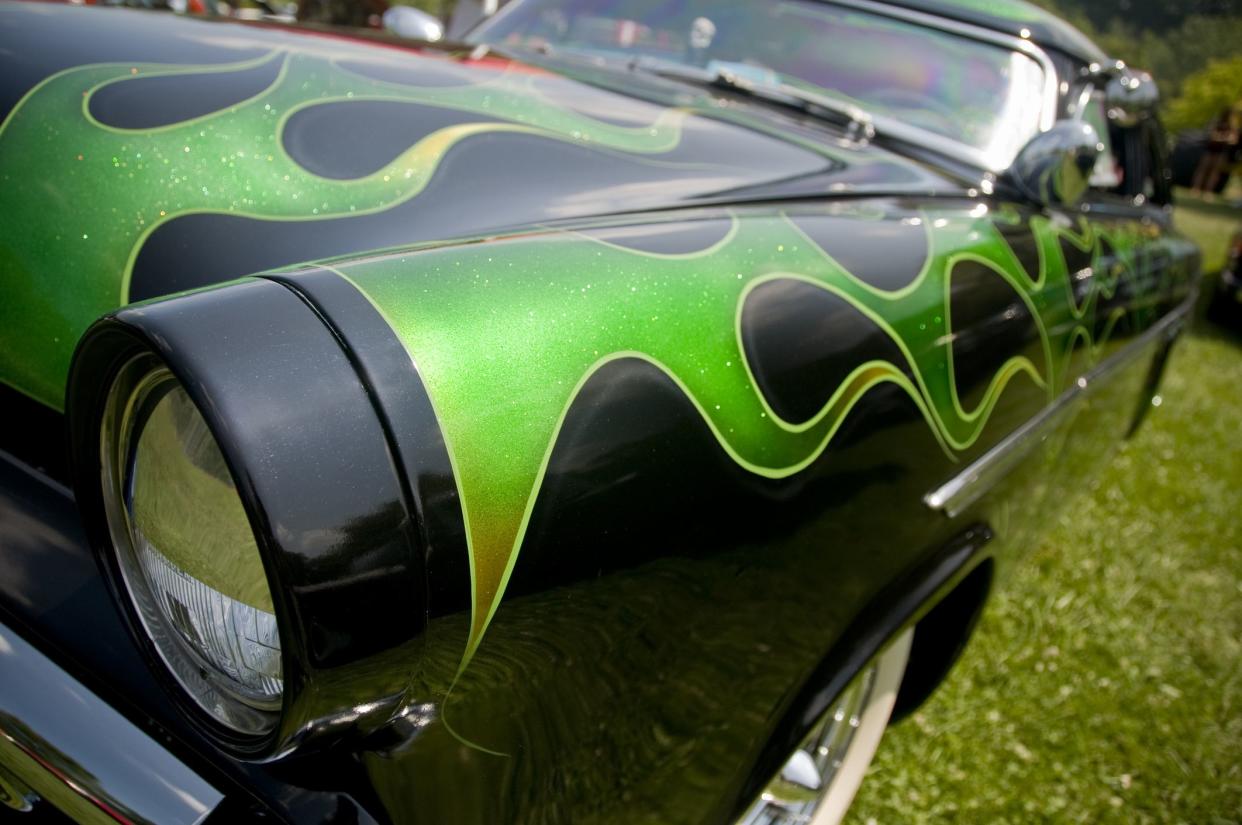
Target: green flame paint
(505,334)
(79,197)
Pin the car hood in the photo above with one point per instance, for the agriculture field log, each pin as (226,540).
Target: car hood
(144,153)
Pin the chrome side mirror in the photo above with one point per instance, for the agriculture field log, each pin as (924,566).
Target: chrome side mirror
(1130,96)
(407,21)
(1054,168)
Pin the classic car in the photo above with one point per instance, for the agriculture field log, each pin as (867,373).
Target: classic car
(616,417)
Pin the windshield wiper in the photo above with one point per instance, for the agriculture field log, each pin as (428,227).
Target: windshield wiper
(765,85)
(760,83)
(739,78)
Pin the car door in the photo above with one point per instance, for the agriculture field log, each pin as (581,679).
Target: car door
(1132,280)
(1122,295)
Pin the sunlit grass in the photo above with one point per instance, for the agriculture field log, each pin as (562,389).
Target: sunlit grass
(1211,225)
(1104,683)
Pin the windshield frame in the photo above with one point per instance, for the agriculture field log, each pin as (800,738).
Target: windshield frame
(888,126)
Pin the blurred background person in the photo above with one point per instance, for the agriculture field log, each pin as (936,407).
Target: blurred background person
(1220,154)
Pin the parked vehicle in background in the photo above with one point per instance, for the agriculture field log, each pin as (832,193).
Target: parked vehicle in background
(617,418)
(1226,305)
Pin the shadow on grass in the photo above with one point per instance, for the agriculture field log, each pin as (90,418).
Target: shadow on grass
(1217,331)
(1216,208)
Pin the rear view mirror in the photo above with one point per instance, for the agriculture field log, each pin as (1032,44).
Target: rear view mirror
(1054,168)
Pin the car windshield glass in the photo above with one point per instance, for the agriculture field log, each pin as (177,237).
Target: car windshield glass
(976,93)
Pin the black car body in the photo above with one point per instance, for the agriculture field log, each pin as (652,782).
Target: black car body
(592,423)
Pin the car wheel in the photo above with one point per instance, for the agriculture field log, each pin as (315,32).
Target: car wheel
(819,781)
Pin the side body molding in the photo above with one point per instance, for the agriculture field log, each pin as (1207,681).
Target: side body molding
(116,773)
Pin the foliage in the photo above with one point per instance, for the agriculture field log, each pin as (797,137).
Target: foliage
(1206,94)
(1171,40)
(1150,16)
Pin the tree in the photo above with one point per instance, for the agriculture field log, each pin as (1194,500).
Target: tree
(1146,15)
(1171,40)
(1206,94)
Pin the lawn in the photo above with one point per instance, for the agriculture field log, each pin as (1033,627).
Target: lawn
(1104,683)
(1211,225)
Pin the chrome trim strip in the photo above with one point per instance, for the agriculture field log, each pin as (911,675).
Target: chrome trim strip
(968,486)
(81,755)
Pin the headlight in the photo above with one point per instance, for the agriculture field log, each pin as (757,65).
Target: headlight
(248,475)
(186,551)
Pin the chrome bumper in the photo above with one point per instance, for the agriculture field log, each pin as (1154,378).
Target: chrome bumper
(60,742)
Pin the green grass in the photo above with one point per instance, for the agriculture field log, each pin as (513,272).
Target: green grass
(1211,225)
(1104,682)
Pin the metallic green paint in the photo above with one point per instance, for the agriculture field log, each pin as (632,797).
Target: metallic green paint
(632,601)
(111,188)
(505,334)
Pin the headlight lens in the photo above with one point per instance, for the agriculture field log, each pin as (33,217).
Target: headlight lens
(186,551)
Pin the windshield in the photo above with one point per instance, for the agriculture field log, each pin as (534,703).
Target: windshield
(976,93)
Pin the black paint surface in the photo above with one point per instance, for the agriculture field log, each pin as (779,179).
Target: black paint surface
(802,342)
(675,238)
(990,324)
(353,139)
(462,198)
(161,100)
(854,244)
